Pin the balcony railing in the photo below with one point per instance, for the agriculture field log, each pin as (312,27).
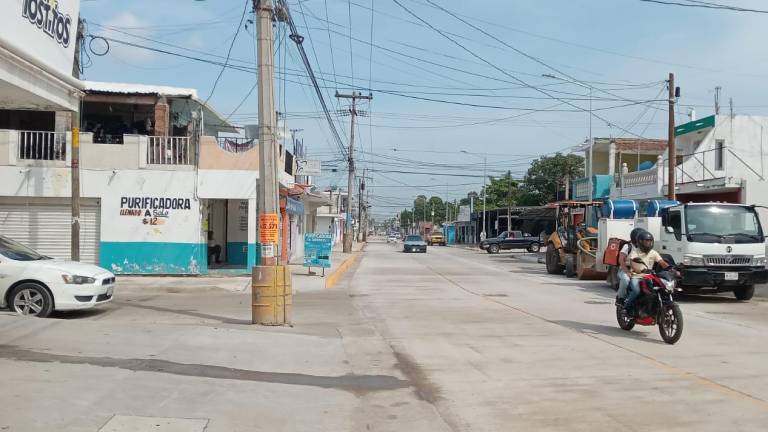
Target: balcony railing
(163,150)
(641,178)
(40,145)
(236,145)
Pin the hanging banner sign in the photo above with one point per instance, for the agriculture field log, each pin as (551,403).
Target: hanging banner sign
(269,224)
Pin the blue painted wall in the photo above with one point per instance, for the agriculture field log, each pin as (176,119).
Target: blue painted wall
(237,253)
(154,258)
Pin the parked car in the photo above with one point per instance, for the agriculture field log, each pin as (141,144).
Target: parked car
(414,243)
(36,285)
(436,238)
(391,238)
(511,240)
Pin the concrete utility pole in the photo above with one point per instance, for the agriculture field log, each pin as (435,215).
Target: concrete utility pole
(351,163)
(268,186)
(75,171)
(672,150)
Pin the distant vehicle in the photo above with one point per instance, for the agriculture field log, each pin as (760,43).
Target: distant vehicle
(436,238)
(414,243)
(511,240)
(36,285)
(391,238)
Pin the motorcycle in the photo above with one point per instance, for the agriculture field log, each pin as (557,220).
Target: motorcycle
(655,305)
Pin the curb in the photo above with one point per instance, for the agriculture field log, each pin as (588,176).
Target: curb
(332,279)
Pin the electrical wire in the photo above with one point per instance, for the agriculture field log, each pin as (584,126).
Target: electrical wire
(229,52)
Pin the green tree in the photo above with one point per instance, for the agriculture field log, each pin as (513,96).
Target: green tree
(502,192)
(546,175)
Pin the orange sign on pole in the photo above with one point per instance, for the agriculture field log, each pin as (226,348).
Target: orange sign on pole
(269,224)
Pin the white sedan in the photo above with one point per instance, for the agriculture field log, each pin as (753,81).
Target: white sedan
(36,285)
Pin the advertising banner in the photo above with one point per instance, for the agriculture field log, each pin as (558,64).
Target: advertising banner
(42,31)
(317,249)
(269,224)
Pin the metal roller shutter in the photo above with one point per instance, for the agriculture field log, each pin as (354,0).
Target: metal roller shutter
(46,227)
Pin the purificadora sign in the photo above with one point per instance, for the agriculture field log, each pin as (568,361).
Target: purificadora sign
(43,31)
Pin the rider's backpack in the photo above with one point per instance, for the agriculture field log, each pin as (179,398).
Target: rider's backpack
(612,252)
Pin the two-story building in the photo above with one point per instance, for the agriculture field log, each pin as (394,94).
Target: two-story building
(612,159)
(719,158)
(161,191)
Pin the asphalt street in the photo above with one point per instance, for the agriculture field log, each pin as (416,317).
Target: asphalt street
(450,340)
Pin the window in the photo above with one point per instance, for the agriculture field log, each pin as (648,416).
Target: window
(719,149)
(675,221)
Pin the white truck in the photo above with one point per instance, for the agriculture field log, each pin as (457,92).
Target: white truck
(718,247)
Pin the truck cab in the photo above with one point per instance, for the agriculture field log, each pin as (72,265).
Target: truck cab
(719,247)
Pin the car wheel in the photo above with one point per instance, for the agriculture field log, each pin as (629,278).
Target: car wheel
(31,299)
(534,248)
(744,293)
(494,249)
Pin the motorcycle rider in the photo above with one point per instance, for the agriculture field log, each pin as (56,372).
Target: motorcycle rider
(622,273)
(644,251)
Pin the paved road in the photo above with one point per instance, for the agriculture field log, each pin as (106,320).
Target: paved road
(494,343)
(452,340)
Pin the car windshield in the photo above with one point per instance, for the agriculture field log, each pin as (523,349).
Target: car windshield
(714,223)
(413,238)
(17,251)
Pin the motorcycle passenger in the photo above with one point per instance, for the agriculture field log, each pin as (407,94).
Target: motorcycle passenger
(649,257)
(622,273)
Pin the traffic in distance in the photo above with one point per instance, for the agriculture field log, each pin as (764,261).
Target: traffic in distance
(649,252)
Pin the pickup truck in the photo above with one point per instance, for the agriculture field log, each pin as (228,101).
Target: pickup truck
(511,240)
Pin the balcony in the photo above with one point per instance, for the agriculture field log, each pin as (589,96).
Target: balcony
(695,173)
(34,148)
(126,151)
(168,150)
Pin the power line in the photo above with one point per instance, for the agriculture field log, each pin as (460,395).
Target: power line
(229,51)
(590,112)
(706,5)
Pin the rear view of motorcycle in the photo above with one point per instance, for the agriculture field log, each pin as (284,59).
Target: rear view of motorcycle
(655,306)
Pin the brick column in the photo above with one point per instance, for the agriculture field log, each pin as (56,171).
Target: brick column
(162,117)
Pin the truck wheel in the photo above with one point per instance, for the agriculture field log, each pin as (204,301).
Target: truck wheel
(745,292)
(534,248)
(553,260)
(570,266)
(494,249)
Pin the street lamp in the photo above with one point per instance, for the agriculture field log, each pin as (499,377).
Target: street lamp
(483,235)
(591,139)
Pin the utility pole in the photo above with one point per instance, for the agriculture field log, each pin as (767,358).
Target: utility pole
(75,171)
(351,164)
(360,188)
(268,189)
(717,100)
(672,152)
(365,208)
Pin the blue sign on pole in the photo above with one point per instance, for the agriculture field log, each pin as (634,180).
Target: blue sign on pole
(317,249)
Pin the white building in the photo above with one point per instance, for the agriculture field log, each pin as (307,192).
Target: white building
(158,185)
(719,158)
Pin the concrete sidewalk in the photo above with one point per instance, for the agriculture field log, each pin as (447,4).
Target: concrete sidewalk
(180,354)
(302,281)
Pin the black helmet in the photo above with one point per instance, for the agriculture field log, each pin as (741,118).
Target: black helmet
(633,235)
(645,241)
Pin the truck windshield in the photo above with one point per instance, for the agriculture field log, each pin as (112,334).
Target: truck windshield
(716,223)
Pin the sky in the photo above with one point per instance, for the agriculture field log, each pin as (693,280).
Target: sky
(451,88)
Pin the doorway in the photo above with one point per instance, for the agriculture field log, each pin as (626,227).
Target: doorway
(227,233)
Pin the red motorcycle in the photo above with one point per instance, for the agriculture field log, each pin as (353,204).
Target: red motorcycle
(655,305)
